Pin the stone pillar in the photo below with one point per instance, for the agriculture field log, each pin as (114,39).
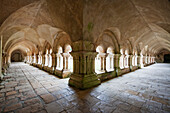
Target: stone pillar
(143,60)
(148,60)
(130,62)
(64,61)
(54,61)
(43,60)
(116,64)
(6,60)
(103,62)
(84,66)
(139,61)
(1,75)
(36,58)
(153,59)
(32,59)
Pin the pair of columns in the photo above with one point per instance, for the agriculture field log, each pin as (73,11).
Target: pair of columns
(55,62)
(139,61)
(103,57)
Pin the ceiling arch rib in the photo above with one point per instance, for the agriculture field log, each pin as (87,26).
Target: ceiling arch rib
(31,46)
(27,34)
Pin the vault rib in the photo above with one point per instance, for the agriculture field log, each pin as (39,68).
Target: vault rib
(147,23)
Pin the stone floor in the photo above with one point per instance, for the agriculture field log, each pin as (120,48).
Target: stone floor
(27,89)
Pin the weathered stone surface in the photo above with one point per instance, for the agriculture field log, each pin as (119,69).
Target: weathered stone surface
(11,93)
(12,107)
(31,101)
(48,98)
(134,92)
(54,107)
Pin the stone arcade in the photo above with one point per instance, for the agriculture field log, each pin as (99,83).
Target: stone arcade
(79,44)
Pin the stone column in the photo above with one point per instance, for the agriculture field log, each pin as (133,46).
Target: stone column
(32,59)
(153,59)
(143,60)
(148,60)
(36,58)
(1,75)
(130,62)
(103,61)
(84,64)
(139,61)
(43,60)
(64,61)
(116,64)
(54,61)
(6,60)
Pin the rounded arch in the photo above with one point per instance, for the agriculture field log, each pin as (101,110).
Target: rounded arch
(110,50)
(47,46)
(109,37)
(62,39)
(100,49)
(68,48)
(17,55)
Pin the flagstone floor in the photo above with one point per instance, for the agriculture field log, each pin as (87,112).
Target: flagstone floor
(27,89)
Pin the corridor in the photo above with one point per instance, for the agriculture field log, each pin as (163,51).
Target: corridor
(28,89)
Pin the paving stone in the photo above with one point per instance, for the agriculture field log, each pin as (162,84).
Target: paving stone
(65,103)
(6,90)
(31,109)
(12,107)
(41,91)
(54,107)
(12,101)
(134,109)
(27,95)
(31,101)
(48,98)
(13,96)
(25,90)
(11,93)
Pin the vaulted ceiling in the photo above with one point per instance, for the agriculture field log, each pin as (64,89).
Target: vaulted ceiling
(28,24)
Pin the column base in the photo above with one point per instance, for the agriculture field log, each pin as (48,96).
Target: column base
(106,76)
(118,71)
(134,68)
(125,70)
(62,73)
(84,81)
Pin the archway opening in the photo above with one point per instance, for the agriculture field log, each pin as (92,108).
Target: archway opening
(59,65)
(17,56)
(68,65)
(100,60)
(121,62)
(110,60)
(126,59)
(50,58)
(167,58)
(46,58)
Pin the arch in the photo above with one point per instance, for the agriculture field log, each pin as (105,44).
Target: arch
(109,37)
(110,60)
(100,60)
(68,59)
(17,55)
(121,62)
(59,59)
(62,38)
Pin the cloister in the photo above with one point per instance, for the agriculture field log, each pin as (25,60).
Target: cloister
(86,44)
